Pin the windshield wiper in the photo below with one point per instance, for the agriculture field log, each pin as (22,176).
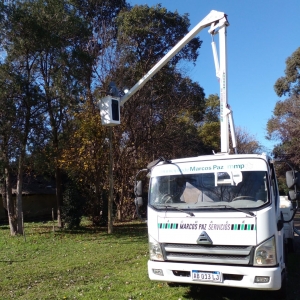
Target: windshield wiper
(250,213)
(175,207)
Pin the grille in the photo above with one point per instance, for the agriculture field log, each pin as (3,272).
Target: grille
(236,255)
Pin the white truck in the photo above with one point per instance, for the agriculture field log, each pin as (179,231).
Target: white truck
(215,219)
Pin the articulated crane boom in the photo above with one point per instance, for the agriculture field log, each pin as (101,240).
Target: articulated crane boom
(221,73)
(218,24)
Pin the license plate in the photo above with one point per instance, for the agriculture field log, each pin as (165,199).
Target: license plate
(214,276)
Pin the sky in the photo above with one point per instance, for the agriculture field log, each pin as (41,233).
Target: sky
(262,34)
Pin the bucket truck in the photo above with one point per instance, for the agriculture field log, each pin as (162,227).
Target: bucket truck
(216,219)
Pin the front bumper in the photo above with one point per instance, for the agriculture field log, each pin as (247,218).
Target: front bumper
(233,276)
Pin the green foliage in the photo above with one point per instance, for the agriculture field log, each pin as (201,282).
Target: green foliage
(146,34)
(210,136)
(73,205)
(283,125)
(209,129)
(212,109)
(84,158)
(290,83)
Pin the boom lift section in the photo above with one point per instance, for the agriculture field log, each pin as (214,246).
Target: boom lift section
(218,24)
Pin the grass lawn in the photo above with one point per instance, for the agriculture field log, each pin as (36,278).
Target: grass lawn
(90,264)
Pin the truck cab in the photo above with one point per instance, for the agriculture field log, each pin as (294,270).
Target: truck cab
(217,220)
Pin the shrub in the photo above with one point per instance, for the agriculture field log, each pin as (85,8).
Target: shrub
(73,203)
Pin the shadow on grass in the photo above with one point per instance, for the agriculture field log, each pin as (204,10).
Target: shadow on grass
(205,292)
(125,232)
(4,227)
(138,229)
(122,229)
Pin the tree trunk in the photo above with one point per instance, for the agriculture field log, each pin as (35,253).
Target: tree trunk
(19,204)
(7,191)
(119,213)
(10,204)
(59,196)
(3,194)
(120,205)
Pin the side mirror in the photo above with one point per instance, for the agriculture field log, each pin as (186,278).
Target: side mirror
(138,191)
(292,195)
(292,179)
(138,201)
(293,183)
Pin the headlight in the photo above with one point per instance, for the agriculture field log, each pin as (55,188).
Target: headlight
(155,250)
(265,254)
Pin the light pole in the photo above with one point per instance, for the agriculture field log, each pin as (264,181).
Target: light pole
(111,185)
(110,116)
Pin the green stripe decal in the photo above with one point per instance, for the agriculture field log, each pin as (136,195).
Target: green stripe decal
(167,225)
(243,227)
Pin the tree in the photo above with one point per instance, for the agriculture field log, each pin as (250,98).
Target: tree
(145,35)
(61,51)
(84,159)
(45,42)
(209,131)
(17,73)
(85,154)
(71,69)
(7,142)
(290,83)
(246,142)
(160,120)
(100,16)
(61,62)
(283,126)
(40,38)
(209,127)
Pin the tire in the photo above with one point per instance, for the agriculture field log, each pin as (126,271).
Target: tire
(290,245)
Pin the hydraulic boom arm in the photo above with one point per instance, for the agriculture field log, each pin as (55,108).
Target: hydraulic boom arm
(213,18)
(218,24)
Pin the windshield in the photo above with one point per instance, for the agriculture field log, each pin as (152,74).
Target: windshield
(235,188)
